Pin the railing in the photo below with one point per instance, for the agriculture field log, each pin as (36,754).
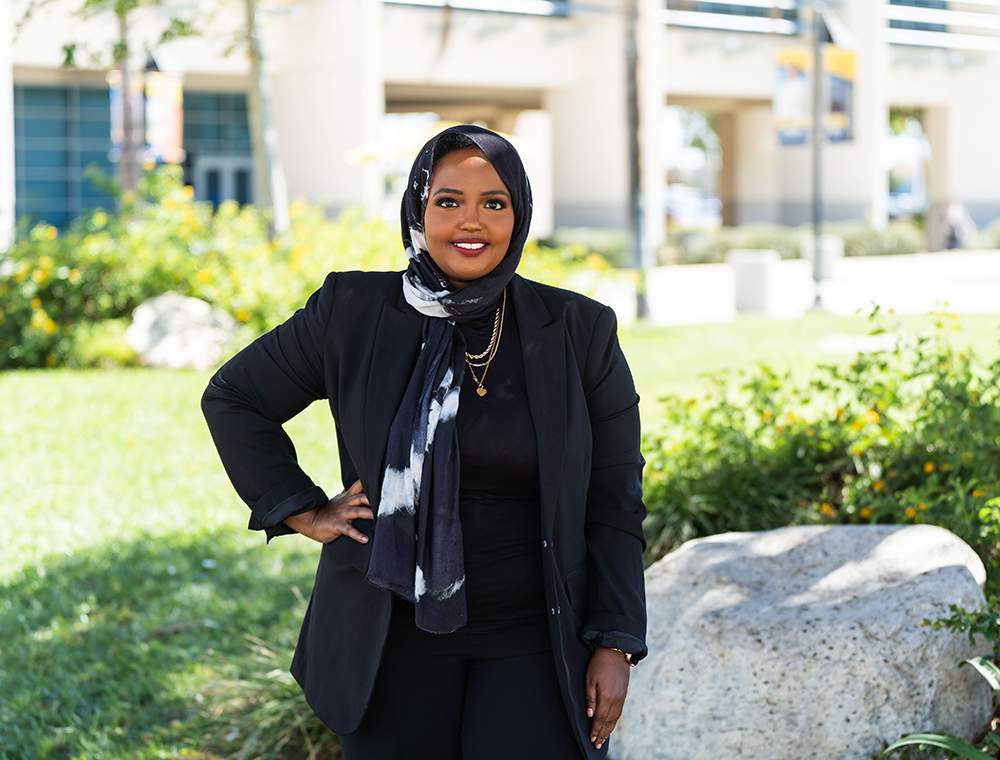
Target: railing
(965,25)
(761,16)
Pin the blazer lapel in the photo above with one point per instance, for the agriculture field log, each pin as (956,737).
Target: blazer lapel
(543,346)
(397,344)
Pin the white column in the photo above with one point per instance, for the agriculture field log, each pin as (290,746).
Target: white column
(866,18)
(590,146)
(6,126)
(652,99)
(328,98)
(534,132)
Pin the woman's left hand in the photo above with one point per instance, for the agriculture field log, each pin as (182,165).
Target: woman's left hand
(607,685)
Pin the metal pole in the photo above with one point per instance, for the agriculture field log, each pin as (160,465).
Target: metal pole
(817,144)
(631,9)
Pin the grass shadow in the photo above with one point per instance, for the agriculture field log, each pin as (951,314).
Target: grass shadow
(124,651)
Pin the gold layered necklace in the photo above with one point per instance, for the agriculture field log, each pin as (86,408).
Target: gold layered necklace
(483,360)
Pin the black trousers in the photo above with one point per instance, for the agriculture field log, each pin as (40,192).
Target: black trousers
(464,696)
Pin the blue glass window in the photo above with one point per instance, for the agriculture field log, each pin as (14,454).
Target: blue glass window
(59,132)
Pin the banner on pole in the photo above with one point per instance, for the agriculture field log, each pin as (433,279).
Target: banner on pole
(792,100)
(164,118)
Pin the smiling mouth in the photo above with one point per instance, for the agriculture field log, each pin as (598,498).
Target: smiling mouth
(470,247)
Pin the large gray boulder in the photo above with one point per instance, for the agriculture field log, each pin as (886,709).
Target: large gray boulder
(176,331)
(804,643)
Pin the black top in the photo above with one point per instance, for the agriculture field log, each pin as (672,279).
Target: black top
(499,498)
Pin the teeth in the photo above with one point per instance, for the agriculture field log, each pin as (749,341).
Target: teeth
(471,246)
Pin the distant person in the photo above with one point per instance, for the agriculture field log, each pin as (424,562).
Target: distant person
(480,588)
(961,228)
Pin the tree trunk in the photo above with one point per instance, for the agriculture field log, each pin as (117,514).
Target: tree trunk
(269,176)
(128,167)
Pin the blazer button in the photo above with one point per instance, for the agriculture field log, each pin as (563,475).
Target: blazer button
(553,611)
(544,543)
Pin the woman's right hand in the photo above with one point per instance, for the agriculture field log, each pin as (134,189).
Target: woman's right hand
(336,518)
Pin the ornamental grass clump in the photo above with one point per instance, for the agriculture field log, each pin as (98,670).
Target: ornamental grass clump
(908,435)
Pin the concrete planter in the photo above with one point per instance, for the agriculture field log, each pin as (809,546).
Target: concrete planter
(691,294)
(766,284)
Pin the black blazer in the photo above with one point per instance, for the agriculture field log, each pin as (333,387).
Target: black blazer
(355,343)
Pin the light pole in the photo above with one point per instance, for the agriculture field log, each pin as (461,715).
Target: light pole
(817,144)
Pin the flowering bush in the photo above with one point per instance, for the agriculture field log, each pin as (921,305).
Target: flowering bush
(54,286)
(902,436)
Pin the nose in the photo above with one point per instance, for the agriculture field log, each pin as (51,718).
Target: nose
(470,218)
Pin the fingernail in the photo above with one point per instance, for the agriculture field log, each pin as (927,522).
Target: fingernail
(599,745)
(364,539)
(590,712)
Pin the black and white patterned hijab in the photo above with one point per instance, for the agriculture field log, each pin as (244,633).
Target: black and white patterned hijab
(417,549)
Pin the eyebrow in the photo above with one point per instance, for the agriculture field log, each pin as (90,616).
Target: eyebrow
(453,191)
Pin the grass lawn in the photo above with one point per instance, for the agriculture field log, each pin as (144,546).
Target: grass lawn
(138,617)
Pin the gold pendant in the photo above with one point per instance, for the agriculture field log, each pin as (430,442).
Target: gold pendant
(481,390)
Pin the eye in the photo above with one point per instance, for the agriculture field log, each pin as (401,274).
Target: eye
(445,202)
(496,205)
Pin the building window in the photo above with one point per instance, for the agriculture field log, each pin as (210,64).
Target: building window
(776,11)
(59,133)
(217,143)
(920,26)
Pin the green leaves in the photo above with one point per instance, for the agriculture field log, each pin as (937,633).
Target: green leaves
(905,435)
(957,746)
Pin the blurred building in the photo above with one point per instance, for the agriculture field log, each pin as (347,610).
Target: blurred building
(549,72)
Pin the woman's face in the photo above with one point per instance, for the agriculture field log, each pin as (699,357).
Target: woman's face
(469,217)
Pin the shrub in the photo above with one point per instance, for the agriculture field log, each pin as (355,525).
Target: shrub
(901,436)
(54,288)
(711,247)
(611,243)
(860,239)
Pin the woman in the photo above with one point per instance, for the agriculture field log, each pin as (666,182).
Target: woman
(492,426)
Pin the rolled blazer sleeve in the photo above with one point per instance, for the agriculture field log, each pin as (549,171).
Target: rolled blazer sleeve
(252,395)
(615,511)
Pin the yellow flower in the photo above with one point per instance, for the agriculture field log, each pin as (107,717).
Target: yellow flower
(866,513)
(50,327)
(954,316)
(911,512)
(828,510)
(858,425)
(38,319)
(792,417)
(36,303)
(46,262)
(929,467)
(839,413)
(169,203)
(872,416)
(979,492)
(74,276)
(243,315)
(921,505)
(595,262)
(51,233)
(187,192)
(204,275)
(765,416)
(810,432)
(877,485)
